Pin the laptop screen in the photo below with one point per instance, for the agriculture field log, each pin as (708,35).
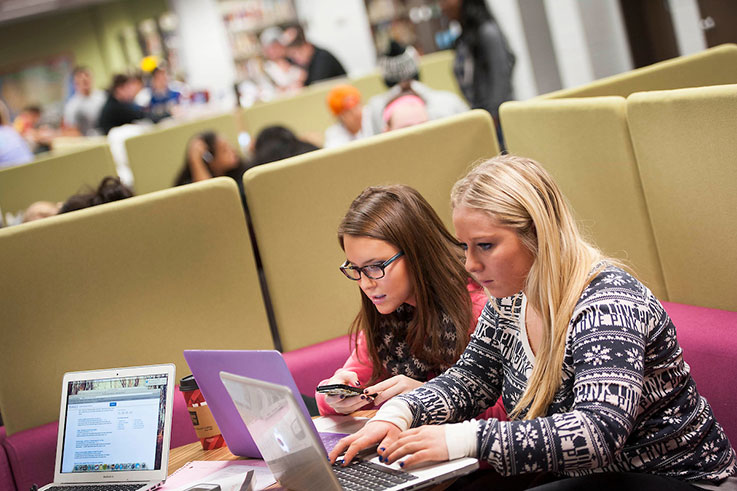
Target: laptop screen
(114,424)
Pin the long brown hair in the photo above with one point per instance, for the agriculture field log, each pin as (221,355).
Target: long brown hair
(400,216)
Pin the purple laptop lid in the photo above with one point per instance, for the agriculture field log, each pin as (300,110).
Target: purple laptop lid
(266,365)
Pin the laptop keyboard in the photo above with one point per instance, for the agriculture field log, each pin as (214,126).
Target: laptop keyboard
(329,440)
(364,475)
(100,487)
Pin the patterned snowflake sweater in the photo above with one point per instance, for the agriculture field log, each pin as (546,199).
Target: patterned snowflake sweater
(627,401)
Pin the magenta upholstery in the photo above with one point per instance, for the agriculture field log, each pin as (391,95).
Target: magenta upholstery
(31,454)
(6,475)
(182,430)
(313,364)
(708,338)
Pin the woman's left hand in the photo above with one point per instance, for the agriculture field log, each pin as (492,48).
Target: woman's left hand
(423,444)
(399,384)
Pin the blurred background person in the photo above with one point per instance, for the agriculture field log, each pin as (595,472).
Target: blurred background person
(119,108)
(404,111)
(14,149)
(39,210)
(400,70)
(319,63)
(344,102)
(210,155)
(162,99)
(82,110)
(282,73)
(276,143)
(483,60)
(37,135)
(110,189)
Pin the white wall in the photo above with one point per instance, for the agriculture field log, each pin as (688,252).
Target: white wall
(341,27)
(507,14)
(686,16)
(569,42)
(606,37)
(205,51)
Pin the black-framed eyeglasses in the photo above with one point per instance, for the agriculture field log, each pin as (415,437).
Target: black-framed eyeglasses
(373,271)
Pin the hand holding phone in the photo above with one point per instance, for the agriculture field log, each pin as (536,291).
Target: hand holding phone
(339,390)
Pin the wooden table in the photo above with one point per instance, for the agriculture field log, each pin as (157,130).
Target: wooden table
(179,456)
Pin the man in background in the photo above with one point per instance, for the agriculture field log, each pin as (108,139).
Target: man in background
(319,63)
(344,101)
(82,110)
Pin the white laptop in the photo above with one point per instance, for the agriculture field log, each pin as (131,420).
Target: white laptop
(296,456)
(114,429)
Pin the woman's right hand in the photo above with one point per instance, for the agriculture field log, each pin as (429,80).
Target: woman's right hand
(382,433)
(346,404)
(197,166)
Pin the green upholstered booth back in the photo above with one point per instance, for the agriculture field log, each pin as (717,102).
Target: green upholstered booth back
(686,151)
(713,66)
(54,178)
(133,282)
(585,145)
(296,206)
(156,158)
(436,71)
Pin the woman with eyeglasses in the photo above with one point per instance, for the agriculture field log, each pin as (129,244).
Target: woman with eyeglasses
(418,303)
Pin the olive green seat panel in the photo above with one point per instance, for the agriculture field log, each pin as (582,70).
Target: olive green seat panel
(296,206)
(436,71)
(133,282)
(585,144)
(54,178)
(157,157)
(686,151)
(713,66)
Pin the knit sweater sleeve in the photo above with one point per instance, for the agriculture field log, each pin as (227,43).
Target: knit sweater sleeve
(605,351)
(465,389)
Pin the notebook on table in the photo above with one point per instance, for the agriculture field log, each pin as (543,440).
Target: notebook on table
(114,429)
(297,458)
(267,365)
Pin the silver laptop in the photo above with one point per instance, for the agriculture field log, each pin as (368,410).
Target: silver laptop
(297,458)
(114,429)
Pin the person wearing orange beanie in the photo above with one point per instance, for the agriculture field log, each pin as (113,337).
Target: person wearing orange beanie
(344,102)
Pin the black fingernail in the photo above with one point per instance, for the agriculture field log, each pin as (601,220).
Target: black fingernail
(401,464)
(382,449)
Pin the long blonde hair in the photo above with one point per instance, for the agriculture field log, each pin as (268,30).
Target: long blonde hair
(399,215)
(517,192)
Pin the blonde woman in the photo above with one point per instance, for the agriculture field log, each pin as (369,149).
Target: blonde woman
(585,357)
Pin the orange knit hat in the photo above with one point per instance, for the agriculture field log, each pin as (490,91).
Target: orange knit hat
(343,97)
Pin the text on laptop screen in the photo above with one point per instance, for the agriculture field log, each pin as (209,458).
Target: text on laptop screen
(114,424)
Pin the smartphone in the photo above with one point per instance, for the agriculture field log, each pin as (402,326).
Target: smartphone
(207,157)
(339,389)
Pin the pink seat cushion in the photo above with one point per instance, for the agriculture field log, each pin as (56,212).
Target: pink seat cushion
(31,454)
(6,476)
(313,364)
(708,338)
(182,430)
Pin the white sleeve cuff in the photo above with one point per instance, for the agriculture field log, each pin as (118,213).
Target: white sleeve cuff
(460,438)
(396,412)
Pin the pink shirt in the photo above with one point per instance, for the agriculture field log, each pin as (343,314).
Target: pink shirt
(360,363)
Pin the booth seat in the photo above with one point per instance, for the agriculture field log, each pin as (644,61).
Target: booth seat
(27,457)
(707,337)
(6,476)
(313,364)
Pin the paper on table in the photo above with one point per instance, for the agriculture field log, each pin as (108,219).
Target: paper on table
(229,474)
